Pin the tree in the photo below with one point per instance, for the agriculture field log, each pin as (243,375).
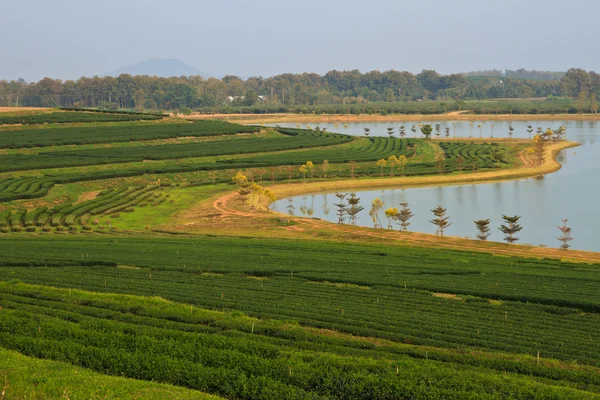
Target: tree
(438,130)
(391,214)
(390,131)
(341,207)
(483,229)
(593,103)
(392,162)
(303,170)
(529,130)
(447,129)
(352,166)
(414,130)
(581,100)
(510,131)
(402,131)
(381,164)
(324,168)
(565,236)
(271,198)
(402,160)
(367,131)
(376,205)
(440,220)
(539,149)
(273,173)
(290,172)
(426,130)
(354,208)
(258,192)
(404,215)
(510,228)
(560,133)
(310,167)
(243,187)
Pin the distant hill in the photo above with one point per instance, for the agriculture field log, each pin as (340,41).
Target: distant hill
(163,67)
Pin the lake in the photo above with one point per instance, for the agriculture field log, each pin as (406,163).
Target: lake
(571,193)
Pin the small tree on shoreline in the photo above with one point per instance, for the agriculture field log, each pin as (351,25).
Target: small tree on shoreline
(341,207)
(374,213)
(440,220)
(391,214)
(426,130)
(510,228)
(483,229)
(354,208)
(404,215)
(565,236)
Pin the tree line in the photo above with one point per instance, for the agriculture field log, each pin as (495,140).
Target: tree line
(292,90)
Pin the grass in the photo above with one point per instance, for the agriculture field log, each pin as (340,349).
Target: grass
(23,377)
(157,217)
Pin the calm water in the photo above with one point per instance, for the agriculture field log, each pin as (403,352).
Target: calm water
(572,192)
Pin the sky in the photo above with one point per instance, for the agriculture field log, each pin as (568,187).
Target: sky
(67,39)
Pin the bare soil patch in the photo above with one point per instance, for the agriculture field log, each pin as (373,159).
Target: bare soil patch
(88,196)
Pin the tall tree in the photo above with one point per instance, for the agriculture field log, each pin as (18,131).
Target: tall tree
(404,215)
(376,205)
(324,168)
(539,149)
(402,160)
(341,207)
(367,131)
(565,236)
(438,130)
(390,131)
(354,208)
(414,130)
(510,228)
(381,164)
(483,229)
(392,161)
(440,220)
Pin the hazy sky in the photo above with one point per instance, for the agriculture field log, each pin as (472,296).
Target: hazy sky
(72,38)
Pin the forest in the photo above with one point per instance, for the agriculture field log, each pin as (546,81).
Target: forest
(285,92)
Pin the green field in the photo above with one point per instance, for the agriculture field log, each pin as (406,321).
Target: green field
(271,300)
(65,117)
(97,301)
(80,135)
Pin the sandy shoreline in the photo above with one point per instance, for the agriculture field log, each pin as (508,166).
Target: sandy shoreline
(349,118)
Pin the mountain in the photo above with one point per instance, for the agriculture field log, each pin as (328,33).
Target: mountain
(164,67)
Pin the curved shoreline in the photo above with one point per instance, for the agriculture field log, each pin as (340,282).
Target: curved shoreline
(550,165)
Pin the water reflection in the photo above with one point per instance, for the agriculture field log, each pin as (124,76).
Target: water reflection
(542,201)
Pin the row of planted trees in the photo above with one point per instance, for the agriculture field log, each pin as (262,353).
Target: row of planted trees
(428,129)
(348,212)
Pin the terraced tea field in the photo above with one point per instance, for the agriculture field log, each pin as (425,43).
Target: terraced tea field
(97,302)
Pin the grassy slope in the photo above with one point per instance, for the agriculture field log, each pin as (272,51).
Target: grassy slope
(23,377)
